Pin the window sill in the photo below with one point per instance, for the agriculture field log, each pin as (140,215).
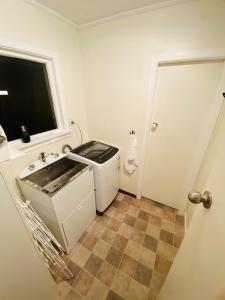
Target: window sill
(18,148)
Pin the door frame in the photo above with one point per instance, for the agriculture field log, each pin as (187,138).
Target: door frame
(180,57)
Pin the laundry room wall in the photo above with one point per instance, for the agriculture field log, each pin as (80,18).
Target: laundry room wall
(24,22)
(117,58)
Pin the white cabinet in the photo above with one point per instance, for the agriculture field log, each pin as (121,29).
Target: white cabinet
(69,211)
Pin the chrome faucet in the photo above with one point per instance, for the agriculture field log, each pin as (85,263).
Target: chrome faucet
(43,156)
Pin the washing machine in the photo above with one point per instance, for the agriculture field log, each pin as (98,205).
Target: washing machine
(105,160)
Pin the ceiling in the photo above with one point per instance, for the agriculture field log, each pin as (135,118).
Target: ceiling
(82,12)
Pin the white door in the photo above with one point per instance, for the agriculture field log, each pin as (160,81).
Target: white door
(198,271)
(185,101)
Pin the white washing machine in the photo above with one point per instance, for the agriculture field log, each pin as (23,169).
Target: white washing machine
(105,160)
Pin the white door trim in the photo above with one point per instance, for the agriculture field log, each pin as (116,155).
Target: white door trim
(204,55)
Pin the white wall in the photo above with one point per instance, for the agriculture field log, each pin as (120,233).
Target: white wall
(26,23)
(117,57)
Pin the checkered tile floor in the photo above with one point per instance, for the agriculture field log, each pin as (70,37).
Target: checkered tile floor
(125,254)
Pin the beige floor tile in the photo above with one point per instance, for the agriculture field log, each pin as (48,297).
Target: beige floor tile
(114,224)
(166,250)
(126,231)
(120,242)
(133,250)
(128,265)
(98,291)
(106,273)
(168,226)
(83,283)
(120,196)
(73,295)
(109,236)
(121,283)
(97,229)
(137,291)
(63,289)
(147,258)
(162,265)
(101,249)
(153,230)
(90,241)
(138,236)
(80,256)
(133,211)
(140,224)
(157,281)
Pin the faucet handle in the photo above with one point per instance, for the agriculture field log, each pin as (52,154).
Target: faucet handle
(43,156)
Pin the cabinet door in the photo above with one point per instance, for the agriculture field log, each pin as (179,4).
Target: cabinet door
(71,196)
(76,223)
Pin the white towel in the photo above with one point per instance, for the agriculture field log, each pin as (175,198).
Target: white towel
(131,162)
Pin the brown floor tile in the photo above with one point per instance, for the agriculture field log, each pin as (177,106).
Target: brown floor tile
(166,250)
(150,242)
(156,284)
(63,289)
(80,256)
(120,283)
(123,206)
(155,220)
(133,250)
(143,215)
(143,274)
(133,211)
(114,224)
(73,296)
(177,241)
(83,282)
(109,236)
(103,220)
(128,265)
(147,258)
(169,215)
(180,220)
(101,249)
(113,296)
(126,231)
(140,224)
(179,229)
(97,229)
(75,269)
(114,257)
(98,291)
(129,220)
(138,236)
(93,264)
(90,241)
(168,226)
(137,291)
(116,203)
(120,242)
(153,230)
(162,265)
(166,236)
(106,273)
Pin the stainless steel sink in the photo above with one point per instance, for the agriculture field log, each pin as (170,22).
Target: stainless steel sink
(54,176)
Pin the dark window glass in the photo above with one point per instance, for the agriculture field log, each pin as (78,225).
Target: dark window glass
(29,100)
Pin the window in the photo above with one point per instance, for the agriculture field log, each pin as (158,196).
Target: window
(26,98)
(30,95)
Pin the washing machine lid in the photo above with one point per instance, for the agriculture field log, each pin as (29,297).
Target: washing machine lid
(96,151)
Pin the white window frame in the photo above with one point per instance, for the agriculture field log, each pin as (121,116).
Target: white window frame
(23,51)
